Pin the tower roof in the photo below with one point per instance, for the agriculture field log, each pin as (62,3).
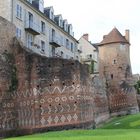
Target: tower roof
(113,37)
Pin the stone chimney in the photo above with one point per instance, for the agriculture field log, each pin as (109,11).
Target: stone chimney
(85,36)
(127,37)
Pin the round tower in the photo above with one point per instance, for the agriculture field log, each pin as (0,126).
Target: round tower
(115,69)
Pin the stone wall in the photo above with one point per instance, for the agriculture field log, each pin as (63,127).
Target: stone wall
(7,32)
(40,93)
(100,100)
(115,70)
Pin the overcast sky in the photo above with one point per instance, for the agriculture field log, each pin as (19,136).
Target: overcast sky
(99,17)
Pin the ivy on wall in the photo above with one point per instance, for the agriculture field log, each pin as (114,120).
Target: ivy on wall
(9,58)
(137,86)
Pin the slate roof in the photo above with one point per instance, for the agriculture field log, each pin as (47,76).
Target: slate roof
(113,37)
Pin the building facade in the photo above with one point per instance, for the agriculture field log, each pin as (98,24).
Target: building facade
(39,29)
(88,53)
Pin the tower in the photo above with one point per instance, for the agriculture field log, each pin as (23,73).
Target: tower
(115,69)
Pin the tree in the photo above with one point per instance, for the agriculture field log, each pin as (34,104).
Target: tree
(137,86)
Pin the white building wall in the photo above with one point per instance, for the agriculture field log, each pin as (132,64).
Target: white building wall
(88,49)
(6,9)
(21,23)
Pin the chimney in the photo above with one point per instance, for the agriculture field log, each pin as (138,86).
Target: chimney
(127,37)
(85,36)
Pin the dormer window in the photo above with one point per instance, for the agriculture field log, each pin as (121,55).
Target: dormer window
(51,15)
(61,23)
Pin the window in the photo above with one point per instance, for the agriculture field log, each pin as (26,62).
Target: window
(61,23)
(29,40)
(67,43)
(72,47)
(18,33)
(53,35)
(42,27)
(61,40)
(30,19)
(62,54)
(122,47)
(51,15)
(19,12)
(42,46)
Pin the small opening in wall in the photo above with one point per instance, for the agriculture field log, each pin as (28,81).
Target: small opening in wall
(37,86)
(50,85)
(73,83)
(63,65)
(75,102)
(112,76)
(114,61)
(120,68)
(63,84)
(59,104)
(49,66)
(72,63)
(50,105)
(40,106)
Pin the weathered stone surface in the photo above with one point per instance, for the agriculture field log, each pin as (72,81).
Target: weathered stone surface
(115,70)
(100,100)
(39,94)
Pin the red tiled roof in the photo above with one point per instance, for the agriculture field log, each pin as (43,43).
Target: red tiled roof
(113,37)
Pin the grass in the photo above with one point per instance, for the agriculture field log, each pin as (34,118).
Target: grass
(123,128)
(125,122)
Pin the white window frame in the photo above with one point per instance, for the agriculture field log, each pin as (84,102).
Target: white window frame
(43,27)
(19,11)
(29,40)
(42,46)
(18,33)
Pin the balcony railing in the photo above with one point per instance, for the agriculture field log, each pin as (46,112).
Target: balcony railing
(32,27)
(54,41)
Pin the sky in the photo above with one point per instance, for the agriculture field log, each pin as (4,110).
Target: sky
(99,17)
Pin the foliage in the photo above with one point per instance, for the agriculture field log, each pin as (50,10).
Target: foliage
(14,81)
(91,67)
(137,86)
(13,71)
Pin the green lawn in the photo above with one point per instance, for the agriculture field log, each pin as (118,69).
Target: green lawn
(123,128)
(125,122)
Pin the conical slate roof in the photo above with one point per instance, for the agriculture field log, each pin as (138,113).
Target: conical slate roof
(113,37)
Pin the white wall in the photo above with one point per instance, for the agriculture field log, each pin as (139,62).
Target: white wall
(44,37)
(88,49)
(6,9)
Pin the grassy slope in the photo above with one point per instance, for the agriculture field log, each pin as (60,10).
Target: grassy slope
(125,122)
(123,128)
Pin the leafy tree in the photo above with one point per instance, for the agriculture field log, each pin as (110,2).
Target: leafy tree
(137,86)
